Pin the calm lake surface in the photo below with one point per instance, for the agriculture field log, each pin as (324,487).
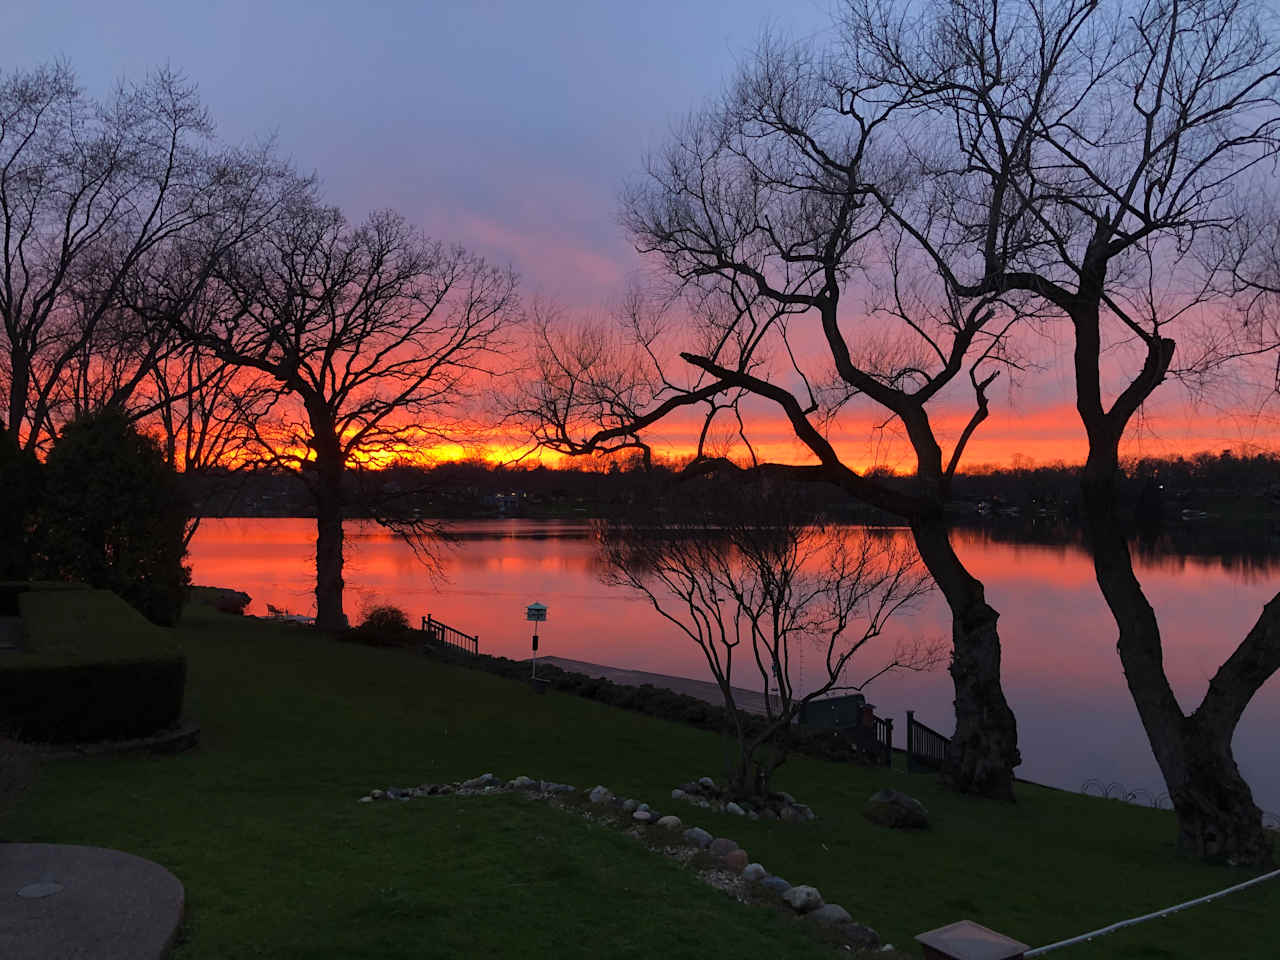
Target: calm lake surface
(1061,671)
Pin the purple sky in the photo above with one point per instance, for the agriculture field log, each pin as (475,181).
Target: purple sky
(506,126)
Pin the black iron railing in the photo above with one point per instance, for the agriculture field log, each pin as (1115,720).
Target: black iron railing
(884,740)
(926,747)
(437,632)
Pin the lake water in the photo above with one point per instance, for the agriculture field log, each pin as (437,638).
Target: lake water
(1062,675)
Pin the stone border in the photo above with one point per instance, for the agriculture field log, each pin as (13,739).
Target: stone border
(776,806)
(730,868)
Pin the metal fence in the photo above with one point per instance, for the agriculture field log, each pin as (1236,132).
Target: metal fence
(926,747)
(437,632)
(883,733)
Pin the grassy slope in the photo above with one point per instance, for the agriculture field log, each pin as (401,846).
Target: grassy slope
(262,826)
(83,625)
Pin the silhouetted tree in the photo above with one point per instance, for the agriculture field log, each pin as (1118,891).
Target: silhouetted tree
(745,574)
(1084,153)
(371,338)
(764,213)
(113,515)
(88,191)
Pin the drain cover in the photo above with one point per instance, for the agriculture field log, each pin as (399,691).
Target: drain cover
(33,891)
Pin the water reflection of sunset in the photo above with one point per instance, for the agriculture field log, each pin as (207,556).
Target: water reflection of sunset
(1060,664)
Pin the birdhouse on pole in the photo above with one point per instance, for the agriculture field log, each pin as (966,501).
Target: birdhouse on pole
(536,612)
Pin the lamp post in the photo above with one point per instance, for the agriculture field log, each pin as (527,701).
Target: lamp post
(537,613)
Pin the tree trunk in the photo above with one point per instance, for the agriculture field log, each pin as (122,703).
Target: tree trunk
(329,615)
(326,480)
(984,748)
(1217,818)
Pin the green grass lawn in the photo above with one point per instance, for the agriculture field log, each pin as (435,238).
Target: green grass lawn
(262,826)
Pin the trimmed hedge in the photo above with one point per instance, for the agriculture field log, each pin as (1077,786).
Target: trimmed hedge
(91,668)
(84,702)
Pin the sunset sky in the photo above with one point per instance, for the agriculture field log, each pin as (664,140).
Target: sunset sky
(509,127)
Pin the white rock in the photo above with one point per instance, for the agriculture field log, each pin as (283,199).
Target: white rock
(733,808)
(365,800)
(643,816)
(670,822)
(707,783)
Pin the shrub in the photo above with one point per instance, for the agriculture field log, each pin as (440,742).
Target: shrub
(386,618)
(113,515)
(384,626)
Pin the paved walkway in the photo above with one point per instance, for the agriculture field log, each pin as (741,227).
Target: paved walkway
(750,700)
(63,902)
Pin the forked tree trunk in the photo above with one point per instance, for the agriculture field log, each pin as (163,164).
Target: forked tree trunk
(1217,818)
(984,748)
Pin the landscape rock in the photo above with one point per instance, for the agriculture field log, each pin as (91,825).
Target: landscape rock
(806,813)
(706,783)
(600,794)
(670,823)
(642,816)
(776,884)
(628,805)
(722,845)
(698,837)
(736,810)
(643,806)
(830,915)
(550,786)
(377,794)
(444,789)
(803,899)
(523,783)
(892,808)
(787,798)
(475,783)
(859,936)
(735,860)
(754,872)
(752,815)
(678,794)
(365,799)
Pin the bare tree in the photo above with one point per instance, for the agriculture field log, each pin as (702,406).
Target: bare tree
(372,338)
(87,190)
(755,582)
(1085,153)
(767,214)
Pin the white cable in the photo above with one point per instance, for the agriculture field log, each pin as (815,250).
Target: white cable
(1150,916)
